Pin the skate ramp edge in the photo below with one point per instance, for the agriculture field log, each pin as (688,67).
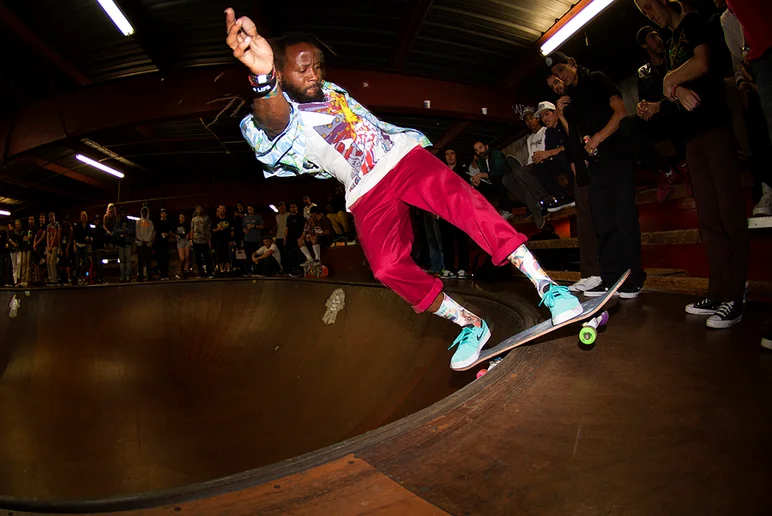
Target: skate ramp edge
(508,314)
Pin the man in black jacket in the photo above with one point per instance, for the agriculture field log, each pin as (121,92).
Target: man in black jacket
(596,110)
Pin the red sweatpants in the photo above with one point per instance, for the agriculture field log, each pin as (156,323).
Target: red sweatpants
(383,223)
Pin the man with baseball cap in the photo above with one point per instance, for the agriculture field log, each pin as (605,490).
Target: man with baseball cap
(596,110)
(643,128)
(551,161)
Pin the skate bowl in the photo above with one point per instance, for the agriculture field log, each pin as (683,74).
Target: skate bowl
(119,397)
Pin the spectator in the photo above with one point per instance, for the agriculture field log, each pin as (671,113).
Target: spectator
(145,235)
(26,253)
(455,243)
(82,235)
(493,166)
(318,233)
(164,233)
(589,266)
(643,129)
(253,233)
(295,226)
(66,250)
(281,227)
(123,233)
(221,237)
(712,158)
(238,255)
(39,249)
(434,241)
(596,109)
(6,271)
(307,205)
(549,158)
(336,212)
(14,252)
(238,221)
(182,235)
(109,222)
(267,259)
(53,241)
(201,234)
(753,114)
(98,242)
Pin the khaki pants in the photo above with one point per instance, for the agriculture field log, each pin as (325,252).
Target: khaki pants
(52,259)
(25,264)
(340,222)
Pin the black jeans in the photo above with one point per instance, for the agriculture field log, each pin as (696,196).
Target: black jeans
(453,240)
(642,135)
(81,261)
(547,173)
(267,266)
(203,255)
(612,198)
(98,255)
(162,256)
(249,249)
(143,260)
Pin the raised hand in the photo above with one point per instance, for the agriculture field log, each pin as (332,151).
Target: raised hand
(248,46)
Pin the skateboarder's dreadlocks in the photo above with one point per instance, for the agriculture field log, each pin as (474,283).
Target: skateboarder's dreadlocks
(302,124)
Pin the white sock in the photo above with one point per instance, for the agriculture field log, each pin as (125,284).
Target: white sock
(304,249)
(528,265)
(317,251)
(456,313)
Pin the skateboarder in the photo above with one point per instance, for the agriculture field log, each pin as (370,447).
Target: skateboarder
(301,123)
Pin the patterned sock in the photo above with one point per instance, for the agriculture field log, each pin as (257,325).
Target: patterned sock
(526,262)
(452,311)
(317,251)
(304,249)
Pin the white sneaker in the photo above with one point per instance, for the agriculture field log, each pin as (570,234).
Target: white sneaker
(462,274)
(767,342)
(506,214)
(446,274)
(764,207)
(307,263)
(585,284)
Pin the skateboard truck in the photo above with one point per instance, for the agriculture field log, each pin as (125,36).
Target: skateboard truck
(589,331)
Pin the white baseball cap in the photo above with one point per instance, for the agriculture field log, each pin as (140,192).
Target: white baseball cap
(542,107)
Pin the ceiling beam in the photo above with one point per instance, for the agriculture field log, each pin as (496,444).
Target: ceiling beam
(411,25)
(147,36)
(77,176)
(38,45)
(199,92)
(36,186)
(533,60)
(453,132)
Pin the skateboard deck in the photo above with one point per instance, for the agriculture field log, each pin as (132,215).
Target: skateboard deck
(591,307)
(316,271)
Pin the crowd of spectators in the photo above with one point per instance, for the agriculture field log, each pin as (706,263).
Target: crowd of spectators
(45,252)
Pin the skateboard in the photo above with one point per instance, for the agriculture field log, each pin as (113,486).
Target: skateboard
(316,270)
(591,317)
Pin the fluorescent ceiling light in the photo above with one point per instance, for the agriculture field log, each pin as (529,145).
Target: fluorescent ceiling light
(274,208)
(581,19)
(4,213)
(115,14)
(96,164)
(132,217)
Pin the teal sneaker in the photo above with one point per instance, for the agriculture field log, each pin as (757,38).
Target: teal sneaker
(470,341)
(563,305)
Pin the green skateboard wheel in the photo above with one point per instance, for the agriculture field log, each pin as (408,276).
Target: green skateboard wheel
(587,335)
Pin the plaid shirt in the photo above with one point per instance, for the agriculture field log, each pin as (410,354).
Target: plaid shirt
(286,154)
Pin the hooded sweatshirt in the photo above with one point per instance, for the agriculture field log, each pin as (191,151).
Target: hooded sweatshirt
(144,228)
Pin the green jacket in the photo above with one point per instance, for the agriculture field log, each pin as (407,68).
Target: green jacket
(498,166)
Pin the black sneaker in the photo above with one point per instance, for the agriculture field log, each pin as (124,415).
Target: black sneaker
(705,307)
(629,291)
(728,314)
(600,290)
(556,205)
